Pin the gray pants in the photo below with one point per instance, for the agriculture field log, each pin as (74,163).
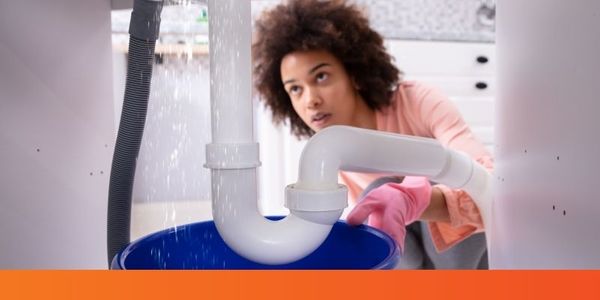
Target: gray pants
(420,253)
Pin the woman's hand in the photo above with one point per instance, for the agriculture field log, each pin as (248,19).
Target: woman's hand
(392,206)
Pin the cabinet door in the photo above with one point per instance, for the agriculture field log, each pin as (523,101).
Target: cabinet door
(443,58)
(462,71)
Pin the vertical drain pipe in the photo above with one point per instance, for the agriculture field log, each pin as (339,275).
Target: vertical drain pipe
(143,29)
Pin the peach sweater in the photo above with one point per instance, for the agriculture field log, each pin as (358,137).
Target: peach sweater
(420,110)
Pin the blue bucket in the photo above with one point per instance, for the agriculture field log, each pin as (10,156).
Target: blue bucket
(199,246)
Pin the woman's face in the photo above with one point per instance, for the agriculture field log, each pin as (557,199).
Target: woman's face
(321,91)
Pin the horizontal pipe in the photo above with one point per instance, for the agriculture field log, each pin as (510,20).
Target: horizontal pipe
(361,150)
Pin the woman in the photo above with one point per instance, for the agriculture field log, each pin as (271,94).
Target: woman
(318,63)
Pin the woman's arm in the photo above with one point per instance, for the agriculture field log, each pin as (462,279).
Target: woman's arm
(437,210)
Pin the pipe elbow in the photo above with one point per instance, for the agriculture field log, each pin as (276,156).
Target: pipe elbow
(277,242)
(354,149)
(249,234)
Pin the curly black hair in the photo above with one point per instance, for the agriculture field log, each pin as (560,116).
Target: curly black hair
(335,26)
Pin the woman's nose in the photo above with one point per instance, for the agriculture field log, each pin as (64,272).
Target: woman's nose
(313,99)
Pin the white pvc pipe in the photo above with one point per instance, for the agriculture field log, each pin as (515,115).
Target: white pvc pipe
(230,34)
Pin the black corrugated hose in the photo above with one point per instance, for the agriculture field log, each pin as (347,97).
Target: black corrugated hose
(143,29)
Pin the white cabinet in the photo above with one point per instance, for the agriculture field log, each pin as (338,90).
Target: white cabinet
(462,71)
(427,58)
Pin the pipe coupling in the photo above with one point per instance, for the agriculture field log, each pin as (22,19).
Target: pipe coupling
(316,200)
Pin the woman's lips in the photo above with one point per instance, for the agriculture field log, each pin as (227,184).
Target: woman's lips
(320,120)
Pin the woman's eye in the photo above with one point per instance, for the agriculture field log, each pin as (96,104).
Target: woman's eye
(322,77)
(294,90)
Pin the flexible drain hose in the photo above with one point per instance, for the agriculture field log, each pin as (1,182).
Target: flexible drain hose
(143,30)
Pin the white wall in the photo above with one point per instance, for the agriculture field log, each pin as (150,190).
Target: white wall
(546,206)
(439,20)
(56,133)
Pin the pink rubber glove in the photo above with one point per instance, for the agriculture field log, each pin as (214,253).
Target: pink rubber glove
(392,206)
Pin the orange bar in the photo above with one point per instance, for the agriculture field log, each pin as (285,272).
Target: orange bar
(300,285)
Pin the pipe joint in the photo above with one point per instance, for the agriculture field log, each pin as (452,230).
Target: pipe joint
(298,199)
(457,171)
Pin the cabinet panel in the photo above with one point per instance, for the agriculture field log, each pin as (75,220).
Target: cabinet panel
(460,86)
(442,58)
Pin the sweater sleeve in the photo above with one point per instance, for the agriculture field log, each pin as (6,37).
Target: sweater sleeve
(445,123)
